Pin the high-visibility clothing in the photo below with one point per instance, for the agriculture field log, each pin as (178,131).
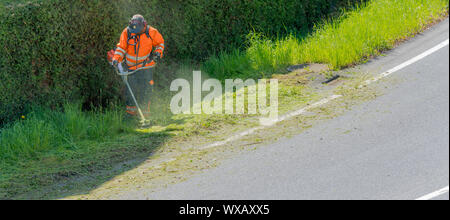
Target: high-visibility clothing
(136,52)
(132,110)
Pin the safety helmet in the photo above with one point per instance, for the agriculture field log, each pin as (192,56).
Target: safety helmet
(137,24)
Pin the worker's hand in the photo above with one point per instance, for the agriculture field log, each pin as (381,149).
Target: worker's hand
(157,57)
(115,63)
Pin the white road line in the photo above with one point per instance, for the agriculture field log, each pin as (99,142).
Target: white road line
(326,100)
(434,194)
(303,110)
(233,138)
(280,119)
(409,62)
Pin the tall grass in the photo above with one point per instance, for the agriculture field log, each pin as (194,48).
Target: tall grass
(46,131)
(367,30)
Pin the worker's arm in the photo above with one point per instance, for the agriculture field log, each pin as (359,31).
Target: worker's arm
(121,47)
(158,41)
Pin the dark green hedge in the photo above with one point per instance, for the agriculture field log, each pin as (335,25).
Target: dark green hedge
(54,50)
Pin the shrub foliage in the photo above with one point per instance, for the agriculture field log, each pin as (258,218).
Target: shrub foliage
(53,51)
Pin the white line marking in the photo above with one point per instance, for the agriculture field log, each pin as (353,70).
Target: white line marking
(233,138)
(409,62)
(434,194)
(326,100)
(280,119)
(303,110)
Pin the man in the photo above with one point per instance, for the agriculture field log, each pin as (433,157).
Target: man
(134,52)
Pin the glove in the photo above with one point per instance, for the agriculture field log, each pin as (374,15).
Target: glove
(111,55)
(157,57)
(115,63)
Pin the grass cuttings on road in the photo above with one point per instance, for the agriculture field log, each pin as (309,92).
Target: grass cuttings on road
(48,150)
(188,158)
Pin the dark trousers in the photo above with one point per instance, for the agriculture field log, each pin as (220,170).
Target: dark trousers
(141,83)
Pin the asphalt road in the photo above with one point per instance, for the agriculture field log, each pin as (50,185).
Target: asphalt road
(396,147)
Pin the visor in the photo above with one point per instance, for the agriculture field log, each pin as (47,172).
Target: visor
(136,27)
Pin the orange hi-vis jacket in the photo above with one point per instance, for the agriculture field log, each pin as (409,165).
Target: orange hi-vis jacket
(137,51)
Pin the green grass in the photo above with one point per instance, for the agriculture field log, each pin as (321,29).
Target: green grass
(45,130)
(46,146)
(358,34)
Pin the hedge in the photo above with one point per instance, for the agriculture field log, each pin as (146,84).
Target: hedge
(53,51)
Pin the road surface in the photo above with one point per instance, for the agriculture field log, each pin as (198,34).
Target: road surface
(396,146)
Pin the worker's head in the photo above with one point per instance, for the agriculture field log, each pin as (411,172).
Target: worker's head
(137,24)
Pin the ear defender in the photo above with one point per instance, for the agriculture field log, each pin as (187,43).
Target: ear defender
(137,24)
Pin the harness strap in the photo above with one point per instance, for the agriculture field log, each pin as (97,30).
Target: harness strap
(137,45)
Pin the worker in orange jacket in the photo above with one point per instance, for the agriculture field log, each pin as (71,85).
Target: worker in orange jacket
(134,51)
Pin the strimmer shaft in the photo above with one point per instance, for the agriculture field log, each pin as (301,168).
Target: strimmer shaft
(125,79)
